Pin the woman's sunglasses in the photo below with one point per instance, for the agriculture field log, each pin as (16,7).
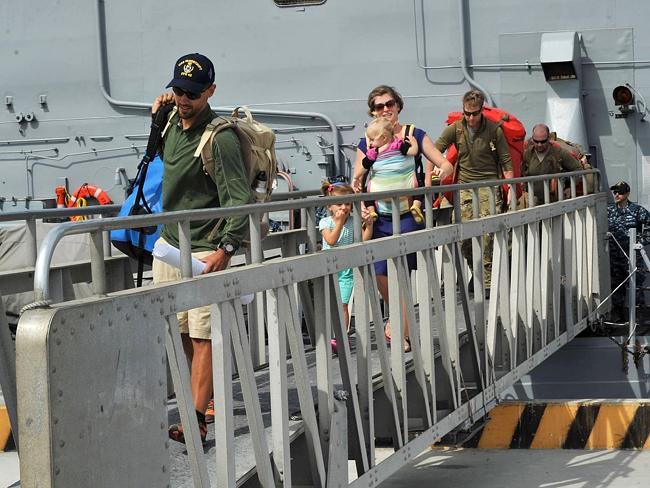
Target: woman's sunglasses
(378,107)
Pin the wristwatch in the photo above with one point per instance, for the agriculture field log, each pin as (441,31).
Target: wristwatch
(228,248)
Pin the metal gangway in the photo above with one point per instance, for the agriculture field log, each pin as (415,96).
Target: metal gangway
(91,382)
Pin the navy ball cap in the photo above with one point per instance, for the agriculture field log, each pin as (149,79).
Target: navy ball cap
(193,73)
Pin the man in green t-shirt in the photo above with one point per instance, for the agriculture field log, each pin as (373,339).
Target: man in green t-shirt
(187,187)
(482,155)
(543,157)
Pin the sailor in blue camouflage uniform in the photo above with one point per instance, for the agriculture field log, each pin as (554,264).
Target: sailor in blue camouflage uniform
(623,215)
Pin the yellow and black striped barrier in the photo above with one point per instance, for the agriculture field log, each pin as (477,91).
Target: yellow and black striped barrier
(602,424)
(5,429)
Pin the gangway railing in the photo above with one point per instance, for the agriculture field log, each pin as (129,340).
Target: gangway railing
(106,407)
(31,217)
(61,277)
(99,231)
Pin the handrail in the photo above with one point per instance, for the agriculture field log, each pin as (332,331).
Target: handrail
(46,252)
(53,213)
(29,217)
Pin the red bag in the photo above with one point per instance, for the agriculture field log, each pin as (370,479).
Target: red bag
(514,132)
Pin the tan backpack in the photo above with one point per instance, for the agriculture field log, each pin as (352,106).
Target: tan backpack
(577,152)
(258,150)
(257,143)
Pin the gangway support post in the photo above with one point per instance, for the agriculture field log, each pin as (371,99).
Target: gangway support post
(256,308)
(181,377)
(632,288)
(338,446)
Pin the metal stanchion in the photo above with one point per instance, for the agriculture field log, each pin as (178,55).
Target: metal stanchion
(632,287)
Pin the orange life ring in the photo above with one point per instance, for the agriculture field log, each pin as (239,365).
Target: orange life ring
(81,194)
(89,191)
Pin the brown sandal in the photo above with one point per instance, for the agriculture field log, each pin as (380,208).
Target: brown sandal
(209,412)
(177,434)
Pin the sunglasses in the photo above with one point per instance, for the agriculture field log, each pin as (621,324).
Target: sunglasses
(179,92)
(618,192)
(474,113)
(544,141)
(378,107)
(337,179)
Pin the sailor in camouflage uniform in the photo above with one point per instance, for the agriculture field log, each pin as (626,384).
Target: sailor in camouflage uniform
(482,155)
(622,216)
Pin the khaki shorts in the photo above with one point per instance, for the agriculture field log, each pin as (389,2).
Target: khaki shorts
(195,322)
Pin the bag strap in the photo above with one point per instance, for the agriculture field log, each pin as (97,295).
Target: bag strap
(205,152)
(460,133)
(248,116)
(204,149)
(408,130)
(156,137)
(140,204)
(494,129)
(169,121)
(245,142)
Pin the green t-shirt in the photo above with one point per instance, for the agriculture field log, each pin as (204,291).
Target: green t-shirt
(187,187)
(555,160)
(480,158)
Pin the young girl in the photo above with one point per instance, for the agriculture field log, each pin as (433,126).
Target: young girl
(388,152)
(337,231)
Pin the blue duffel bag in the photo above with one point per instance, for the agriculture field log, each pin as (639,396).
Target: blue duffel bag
(134,242)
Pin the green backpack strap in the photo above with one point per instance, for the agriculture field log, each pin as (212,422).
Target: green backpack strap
(460,135)
(460,132)
(494,129)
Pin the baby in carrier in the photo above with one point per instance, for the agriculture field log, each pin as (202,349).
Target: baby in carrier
(392,169)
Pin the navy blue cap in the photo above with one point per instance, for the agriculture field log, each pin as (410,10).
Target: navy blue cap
(193,73)
(621,186)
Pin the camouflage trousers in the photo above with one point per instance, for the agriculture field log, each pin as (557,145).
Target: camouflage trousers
(467,213)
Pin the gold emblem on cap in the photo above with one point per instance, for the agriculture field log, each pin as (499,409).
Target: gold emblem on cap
(188,66)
